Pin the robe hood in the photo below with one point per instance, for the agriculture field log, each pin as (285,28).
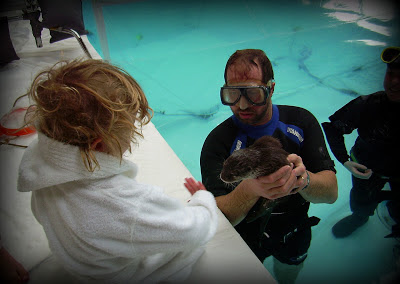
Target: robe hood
(46,162)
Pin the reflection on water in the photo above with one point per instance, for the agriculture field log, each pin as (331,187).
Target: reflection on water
(324,54)
(364,13)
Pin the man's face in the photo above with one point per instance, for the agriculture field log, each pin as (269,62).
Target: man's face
(392,83)
(244,110)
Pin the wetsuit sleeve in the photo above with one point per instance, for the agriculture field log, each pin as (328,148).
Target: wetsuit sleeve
(342,122)
(336,142)
(314,152)
(216,149)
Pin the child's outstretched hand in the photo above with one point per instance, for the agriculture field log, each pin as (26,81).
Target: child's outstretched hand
(193,185)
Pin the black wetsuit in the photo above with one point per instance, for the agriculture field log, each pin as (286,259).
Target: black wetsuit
(289,228)
(377,121)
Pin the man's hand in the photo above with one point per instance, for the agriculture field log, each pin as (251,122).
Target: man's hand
(358,170)
(300,172)
(287,180)
(275,185)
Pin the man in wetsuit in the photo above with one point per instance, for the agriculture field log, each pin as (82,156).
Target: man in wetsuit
(374,158)
(248,89)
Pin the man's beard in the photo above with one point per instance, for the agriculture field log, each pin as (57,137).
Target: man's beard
(256,120)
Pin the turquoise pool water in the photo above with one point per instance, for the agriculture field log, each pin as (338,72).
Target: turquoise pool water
(324,54)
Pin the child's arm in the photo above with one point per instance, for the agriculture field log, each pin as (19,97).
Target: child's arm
(165,224)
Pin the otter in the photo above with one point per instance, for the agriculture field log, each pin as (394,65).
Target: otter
(263,158)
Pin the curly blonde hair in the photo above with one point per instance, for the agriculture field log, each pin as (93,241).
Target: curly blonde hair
(80,101)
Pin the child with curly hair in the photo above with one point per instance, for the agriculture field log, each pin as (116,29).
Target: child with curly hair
(101,224)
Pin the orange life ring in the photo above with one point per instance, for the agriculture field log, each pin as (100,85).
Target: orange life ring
(15,131)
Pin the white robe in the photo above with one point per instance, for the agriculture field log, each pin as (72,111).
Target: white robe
(105,226)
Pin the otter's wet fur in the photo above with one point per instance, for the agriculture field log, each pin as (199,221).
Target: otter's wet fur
(263,158)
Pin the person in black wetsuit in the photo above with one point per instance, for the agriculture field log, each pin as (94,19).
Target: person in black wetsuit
(248,89)
(375,156)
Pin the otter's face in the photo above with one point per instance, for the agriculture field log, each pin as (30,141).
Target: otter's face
(239,166)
